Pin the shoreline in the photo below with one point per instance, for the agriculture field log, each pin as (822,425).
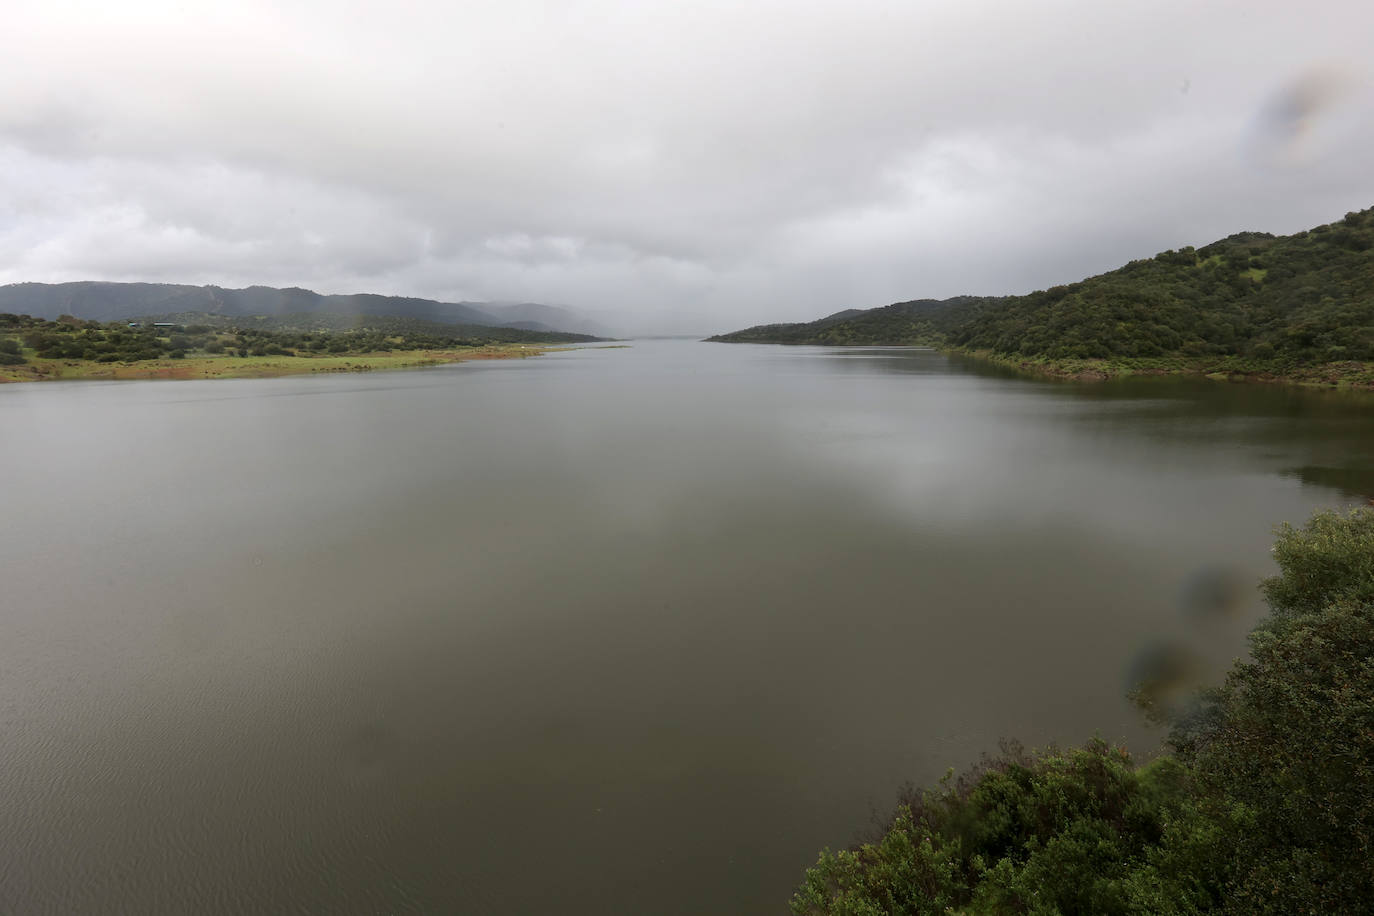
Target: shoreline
(1348,375)
(212,367)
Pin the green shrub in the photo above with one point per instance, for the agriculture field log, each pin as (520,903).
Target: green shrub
(1048,833)
(1331,558)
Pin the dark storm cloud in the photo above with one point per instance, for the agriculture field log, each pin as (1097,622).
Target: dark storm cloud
(684,166)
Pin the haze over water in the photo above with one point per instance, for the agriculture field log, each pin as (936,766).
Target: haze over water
(611,630)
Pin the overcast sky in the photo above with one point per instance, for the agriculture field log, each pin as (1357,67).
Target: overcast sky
(686,167)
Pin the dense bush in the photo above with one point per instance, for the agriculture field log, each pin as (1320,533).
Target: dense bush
(1329,560)
(1265,805)
(10,354)
(1058,832)
(1284,752)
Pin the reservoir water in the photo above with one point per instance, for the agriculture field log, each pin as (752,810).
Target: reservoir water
(606,631)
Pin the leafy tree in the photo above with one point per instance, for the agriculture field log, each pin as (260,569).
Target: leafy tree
(1328,560)
(1284,751)
(10,354)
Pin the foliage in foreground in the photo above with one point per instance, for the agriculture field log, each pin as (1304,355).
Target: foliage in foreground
(1265,805)
(1058,832)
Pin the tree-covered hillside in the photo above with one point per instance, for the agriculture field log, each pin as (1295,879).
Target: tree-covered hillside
(922,321)
(1284,300)
(71,338)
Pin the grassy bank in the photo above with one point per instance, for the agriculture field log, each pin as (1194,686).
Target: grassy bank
(1344,374)
(205,367)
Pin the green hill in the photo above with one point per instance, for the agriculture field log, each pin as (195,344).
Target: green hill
(1250,300)
(923,321)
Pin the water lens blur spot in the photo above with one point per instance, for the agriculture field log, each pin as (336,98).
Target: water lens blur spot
(1162,676)
(1285,126)
(1212,594)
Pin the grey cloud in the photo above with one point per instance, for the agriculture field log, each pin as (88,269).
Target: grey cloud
(684,166)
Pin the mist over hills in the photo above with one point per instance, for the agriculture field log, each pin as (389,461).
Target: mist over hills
(107,301)
(1299,299)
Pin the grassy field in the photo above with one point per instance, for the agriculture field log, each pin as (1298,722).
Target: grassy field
(202,367)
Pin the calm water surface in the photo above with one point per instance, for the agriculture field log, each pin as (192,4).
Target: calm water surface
(618,630)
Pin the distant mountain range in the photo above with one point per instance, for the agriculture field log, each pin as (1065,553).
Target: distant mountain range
(1277,301)
(102,301)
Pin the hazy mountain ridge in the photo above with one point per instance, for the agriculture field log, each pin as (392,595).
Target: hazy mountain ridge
(109,301)
(1291,300)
